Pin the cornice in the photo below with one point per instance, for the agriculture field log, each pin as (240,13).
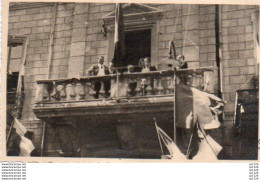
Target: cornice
(27,5)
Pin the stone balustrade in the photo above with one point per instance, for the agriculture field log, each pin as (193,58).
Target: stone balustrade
(124,85)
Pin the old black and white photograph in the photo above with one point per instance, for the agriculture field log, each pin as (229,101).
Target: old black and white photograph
(176,82)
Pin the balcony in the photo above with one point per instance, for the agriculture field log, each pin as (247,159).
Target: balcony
(112,120)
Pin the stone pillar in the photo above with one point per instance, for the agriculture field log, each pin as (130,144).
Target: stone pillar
(78,40)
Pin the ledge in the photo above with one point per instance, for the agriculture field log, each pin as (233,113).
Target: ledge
(106,108)
(27,5)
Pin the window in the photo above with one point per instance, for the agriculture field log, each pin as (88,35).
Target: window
(138,45)
(13,66)
(141,32)
(15,61)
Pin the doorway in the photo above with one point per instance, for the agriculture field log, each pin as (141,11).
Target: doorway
(138,45)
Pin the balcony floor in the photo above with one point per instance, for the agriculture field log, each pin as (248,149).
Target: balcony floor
(105,108)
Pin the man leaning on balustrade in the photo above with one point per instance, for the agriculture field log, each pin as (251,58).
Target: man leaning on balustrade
(100,70)
(147,65)
(147,68)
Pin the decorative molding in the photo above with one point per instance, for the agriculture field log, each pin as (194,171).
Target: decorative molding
(67,111)
(134,12)
(136,17)
(28,5)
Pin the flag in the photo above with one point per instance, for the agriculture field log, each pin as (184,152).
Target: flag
(202,146)
(26,147)
(174,151)
(172,52)
(21,141)
(193,104)
(20,129)
(119,37)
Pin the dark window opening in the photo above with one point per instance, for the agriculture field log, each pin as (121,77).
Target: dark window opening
(12,81)
(138,45)
(13,67)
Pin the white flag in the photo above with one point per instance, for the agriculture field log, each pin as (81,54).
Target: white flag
(20,129)
(175,153)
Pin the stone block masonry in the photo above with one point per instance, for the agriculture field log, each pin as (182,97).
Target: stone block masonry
(78,44)
(237,48)
(36,24)
(78,41)
(96,43)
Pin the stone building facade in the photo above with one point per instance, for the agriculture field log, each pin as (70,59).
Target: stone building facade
(78,40)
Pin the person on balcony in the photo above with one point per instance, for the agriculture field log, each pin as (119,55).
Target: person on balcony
(183,64)
(147,68)
(100,70)
(147,65)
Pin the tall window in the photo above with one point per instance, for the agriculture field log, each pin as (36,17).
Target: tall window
(15,63)
(138,45)
(13,67)
(141,32)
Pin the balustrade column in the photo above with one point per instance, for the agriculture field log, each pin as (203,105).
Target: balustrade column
(155,84)
(129,88)
(138,87)
(54,94)
(72,90)
(159,87)
(63,93)
(102,91)
(171,85)
(91,91)
(82,92)
(148,89)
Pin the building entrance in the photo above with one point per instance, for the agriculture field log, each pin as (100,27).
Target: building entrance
(138,45)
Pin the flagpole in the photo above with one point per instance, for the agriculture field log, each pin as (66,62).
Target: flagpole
(43,138)
(174,115)
(117,85)
(193,130)
(187,153)
(9,133)
(158,136)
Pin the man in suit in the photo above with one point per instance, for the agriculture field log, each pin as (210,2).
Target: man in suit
(100,70)
(147,68)
(147,65)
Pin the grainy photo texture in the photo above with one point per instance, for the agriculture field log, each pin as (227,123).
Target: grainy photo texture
(133,80)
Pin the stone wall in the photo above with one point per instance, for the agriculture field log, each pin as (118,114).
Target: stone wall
(78,41)
(238,50)
(36,24)
(96,43)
